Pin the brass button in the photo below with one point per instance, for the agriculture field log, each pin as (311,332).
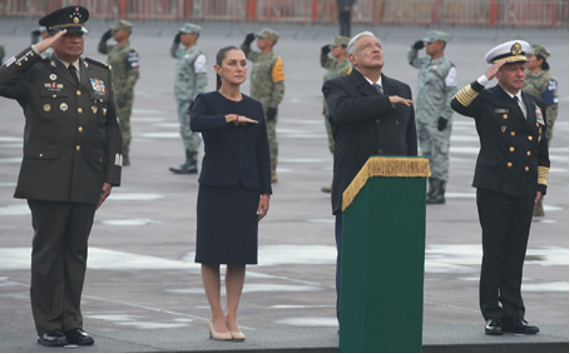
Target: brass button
(79,148)
(510,164)
(101,100)
(505,116)
(512,148)
(54,96)
(526,168)
(78,93)
(528,153)
(41,155)
(80,129)
(513,133)
(79,110)
(530,137)
(25,59)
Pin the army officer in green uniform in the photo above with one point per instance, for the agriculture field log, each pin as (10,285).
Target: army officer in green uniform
(338,65)
(71,159)
(124,60)
(267,84)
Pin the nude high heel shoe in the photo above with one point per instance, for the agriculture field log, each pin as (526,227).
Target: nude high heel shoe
(237,336)
(218,335)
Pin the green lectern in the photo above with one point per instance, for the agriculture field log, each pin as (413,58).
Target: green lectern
(383,250)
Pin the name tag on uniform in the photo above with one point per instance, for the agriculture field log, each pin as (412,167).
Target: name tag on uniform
(501,110)
(53,86)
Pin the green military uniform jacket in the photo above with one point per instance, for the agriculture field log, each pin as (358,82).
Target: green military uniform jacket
(437,83)
(334,69)
(72,142)
(191,72)
(544,86)
(125,63)
(267,77)
(2,54)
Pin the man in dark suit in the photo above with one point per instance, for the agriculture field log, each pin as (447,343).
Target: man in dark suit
(370,114)
(511,175)
(72,158)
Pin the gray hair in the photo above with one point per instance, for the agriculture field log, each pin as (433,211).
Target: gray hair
(351,47)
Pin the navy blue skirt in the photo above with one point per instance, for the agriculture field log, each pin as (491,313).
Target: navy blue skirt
(227,225)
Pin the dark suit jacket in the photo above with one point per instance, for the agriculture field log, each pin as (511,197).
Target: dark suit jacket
(233,153)
(365,124)
(72,141)
(512,147)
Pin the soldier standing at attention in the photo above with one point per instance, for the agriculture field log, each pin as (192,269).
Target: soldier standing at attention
(2,54)
(125,63)
(335,67)
(71,160)
(191,79)
(541,84)
(267,84)
(437,83)
(511,175)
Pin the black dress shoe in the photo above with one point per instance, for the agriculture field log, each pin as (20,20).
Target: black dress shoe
(79,337)
(518,325)
(54,338)
(493,327)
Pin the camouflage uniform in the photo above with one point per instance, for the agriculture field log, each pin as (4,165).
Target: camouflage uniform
(437,84)
(267,86)
(334,68)
(2,54)
(542,85)
(191,80)
(125,63)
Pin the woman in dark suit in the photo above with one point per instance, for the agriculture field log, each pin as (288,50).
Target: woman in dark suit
(235,185)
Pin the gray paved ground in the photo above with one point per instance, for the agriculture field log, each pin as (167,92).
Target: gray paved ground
(142,280)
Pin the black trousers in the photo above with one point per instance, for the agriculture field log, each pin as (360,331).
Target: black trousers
(59,257)
(505,222)
(344,21)
(338,238)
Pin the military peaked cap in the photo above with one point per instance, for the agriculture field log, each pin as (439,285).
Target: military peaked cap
(71,18)
(511,51)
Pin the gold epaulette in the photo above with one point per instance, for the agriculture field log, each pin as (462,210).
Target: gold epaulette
(543,172)
(466,96)
(98,62)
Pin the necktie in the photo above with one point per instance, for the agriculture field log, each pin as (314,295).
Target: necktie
(73,73)
(519,103)
(378,88)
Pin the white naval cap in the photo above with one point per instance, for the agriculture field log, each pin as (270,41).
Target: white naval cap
(511,51)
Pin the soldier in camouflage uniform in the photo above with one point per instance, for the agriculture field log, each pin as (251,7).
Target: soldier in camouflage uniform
(2,54)
(267,84)
(125,63)
(335,67)
(437,84)
(191,79)
(541,84)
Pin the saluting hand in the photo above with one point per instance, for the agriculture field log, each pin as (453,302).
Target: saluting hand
(494,69)
(263,206)
(49,41)
(105,191)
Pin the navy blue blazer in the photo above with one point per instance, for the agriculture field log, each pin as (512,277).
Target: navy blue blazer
(232,153)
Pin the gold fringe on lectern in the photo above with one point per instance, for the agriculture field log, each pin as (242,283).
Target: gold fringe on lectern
(385,167)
